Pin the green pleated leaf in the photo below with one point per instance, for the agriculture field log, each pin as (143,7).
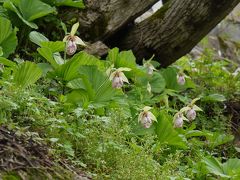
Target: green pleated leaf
(166,133)
(27,74)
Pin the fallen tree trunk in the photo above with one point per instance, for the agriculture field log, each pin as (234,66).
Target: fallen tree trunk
(169,34)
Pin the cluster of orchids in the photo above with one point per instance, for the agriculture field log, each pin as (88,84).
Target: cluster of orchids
(72,41)
(118,78)
(189,111)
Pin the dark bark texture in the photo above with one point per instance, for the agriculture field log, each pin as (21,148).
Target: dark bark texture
(169,34)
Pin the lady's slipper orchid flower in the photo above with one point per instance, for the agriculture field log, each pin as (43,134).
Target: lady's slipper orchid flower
(178,122)
(150,68)
(181,79)
(191,114)
(146,117)
(118,77)
(72,40)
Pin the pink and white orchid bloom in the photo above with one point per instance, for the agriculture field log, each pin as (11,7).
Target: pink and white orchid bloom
(72,41)
(191,114)
(118,77)
(148,65)
(181,79)
(178,122)
(146,118)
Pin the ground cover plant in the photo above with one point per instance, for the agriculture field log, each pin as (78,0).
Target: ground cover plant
(66,114)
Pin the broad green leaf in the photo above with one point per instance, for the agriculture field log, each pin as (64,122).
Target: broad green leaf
(45,67)
(94,84)
(214,166)
(113,55)
(195,133)
(72,3)
(9,5)
(166,133)
(27,74)
(232,167)
(8,38)
(217,139)
(157,83)
(170,75)
(48,55)
(78,97)
(8,63)
(214,98)
(99,82)
(126,59)
(70,70)
(57,46)
(76,84)
(29,10)
(34,9)
(37,37)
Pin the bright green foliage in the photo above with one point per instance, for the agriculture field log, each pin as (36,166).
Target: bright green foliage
(29,10)
(71,3)
(8,38)
(27,74)
(227,170)
(166,133)
(94,84)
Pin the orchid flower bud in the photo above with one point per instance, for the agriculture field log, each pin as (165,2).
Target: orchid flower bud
(191,114)
(146,118)
(178,122)
(118,78)
(181,79)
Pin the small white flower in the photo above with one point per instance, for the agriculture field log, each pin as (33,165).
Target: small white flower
(178,122)
(181,79)
(191,114)
(72,40)
(146,118)
(118,77)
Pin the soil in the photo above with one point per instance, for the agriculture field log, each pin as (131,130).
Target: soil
(23,157)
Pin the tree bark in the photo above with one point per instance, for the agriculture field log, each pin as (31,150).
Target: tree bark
(175,29)
(169,34)
(103,18)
